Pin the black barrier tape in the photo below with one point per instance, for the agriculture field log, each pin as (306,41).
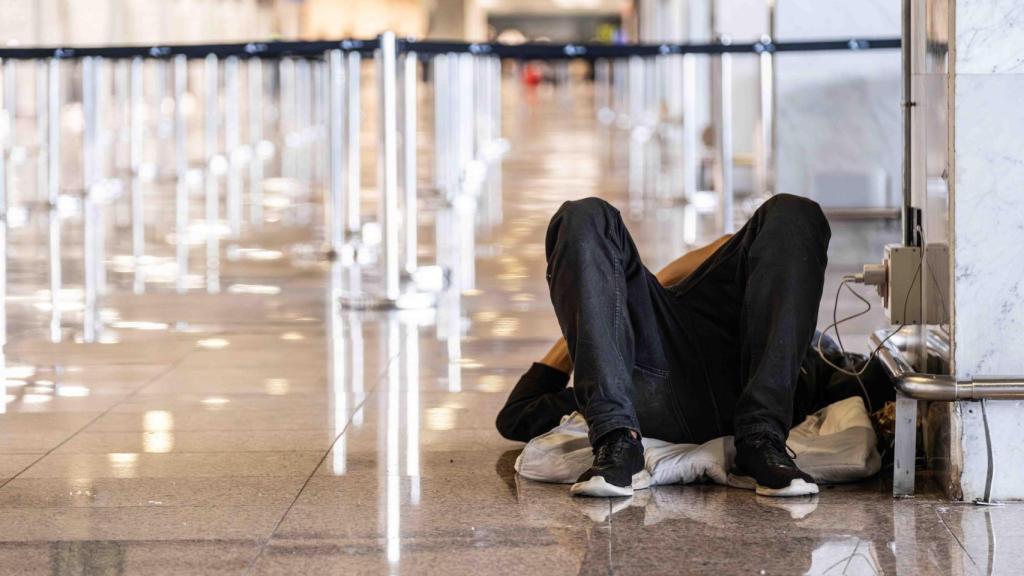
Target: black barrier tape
(528,51)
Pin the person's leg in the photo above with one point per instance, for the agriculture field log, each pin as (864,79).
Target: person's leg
(756,302)
(606,307)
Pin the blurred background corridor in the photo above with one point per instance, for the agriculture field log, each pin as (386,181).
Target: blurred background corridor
(271,270)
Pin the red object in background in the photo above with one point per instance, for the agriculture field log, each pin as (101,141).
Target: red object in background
(532,75)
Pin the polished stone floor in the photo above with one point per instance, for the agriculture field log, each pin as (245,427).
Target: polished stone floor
(263,430)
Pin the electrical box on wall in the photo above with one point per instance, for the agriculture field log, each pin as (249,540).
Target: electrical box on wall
(935,275)
(901,294)
(903,278)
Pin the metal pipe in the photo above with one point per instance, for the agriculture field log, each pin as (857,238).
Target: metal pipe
(941,387)
(135,134)
(89,181)
(232,141)
(466,126)
(42,128)
(691,142)
(10,96)
(722,71)
(766,110)
(53,192)
(409,174)
(211,148)
(256,141)
(7,126)
(105,140)
(440,67)
(908,219)
(181,203)
(387,159)
(334,221)
(353,129)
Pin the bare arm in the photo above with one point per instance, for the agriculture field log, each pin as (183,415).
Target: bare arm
(558,357)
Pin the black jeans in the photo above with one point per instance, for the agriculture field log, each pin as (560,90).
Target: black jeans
(716,354)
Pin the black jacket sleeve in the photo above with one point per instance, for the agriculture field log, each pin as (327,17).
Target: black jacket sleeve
(536,404)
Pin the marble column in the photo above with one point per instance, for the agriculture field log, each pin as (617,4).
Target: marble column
(969,140)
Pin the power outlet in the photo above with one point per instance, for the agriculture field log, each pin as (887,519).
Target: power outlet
(901,294)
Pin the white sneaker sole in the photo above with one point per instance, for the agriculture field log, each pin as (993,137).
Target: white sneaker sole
(598,487)
(798,487)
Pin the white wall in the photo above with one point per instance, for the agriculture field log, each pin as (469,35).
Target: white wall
(988,232)
(838,112)
(91,22)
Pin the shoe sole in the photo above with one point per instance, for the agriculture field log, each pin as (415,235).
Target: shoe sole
(797,487)
(598,487)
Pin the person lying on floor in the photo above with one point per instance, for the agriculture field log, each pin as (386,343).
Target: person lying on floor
(717,343)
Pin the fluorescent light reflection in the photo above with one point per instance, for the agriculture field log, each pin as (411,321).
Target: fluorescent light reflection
(393,505)
(412,407)
(336,364)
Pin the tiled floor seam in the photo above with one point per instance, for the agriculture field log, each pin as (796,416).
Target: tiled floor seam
(348,422)
(160,374)
(957,540)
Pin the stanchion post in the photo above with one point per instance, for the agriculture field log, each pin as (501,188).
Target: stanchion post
(410,69)
(101,160)
(7,125)
(53,191)
(466,126)
(181,201)
(10,96)
(387,159)
(135,135)
(232,141)
(766,134)
(334,222)
(691,142)
(440,67)
(256,141)
(89,181)
(353,129)
(42,75)
(210,142)
(496,102)
(722,105)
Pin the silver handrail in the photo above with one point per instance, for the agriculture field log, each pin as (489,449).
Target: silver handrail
(939,387)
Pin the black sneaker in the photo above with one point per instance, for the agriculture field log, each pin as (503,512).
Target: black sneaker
(618,467)
(762,460)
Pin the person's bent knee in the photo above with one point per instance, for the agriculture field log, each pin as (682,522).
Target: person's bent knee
(580,220)
(799,209)
(584,211)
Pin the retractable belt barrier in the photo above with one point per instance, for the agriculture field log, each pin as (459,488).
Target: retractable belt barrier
(525,51)
(317,125)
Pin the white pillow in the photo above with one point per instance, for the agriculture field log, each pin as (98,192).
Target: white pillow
(835,444)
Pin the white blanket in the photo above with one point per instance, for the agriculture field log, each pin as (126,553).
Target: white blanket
(835,444)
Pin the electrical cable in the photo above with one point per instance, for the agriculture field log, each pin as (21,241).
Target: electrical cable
(836,323)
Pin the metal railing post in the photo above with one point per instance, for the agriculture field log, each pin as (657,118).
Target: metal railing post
(387,160)
(232,144)
(722,105)
(135,133)
(353,130)
(211,145)
(442,143)
(691,141)
(181,199)
(334,207)
(410,69)
(766,134)
(90,178)
(256,120)
(53,191)
(7,127)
